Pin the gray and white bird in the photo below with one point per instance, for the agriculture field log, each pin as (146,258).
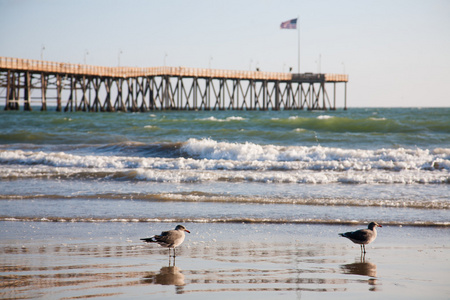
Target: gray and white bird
(363,236)
(169,239)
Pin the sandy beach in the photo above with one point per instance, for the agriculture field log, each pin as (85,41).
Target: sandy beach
(64,260)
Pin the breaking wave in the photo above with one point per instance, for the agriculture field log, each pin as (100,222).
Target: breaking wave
(209,160)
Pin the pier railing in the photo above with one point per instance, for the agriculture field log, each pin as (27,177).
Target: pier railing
(129,72)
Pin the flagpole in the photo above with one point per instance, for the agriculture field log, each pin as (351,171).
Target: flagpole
(298,28)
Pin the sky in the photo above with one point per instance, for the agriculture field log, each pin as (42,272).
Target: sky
(396,52)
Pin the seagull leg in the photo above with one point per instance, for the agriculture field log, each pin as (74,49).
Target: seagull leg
(364,246)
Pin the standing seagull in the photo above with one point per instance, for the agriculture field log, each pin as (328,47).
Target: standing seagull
(363,236)
(169,239)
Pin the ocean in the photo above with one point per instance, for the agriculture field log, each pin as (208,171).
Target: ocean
(389,165)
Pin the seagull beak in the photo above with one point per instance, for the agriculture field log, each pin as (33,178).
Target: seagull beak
(379,225)
(187,231)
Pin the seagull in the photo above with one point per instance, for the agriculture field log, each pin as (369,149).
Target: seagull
(363,236)
(169,239)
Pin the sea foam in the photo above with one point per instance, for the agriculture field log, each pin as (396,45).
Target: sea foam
(207,159)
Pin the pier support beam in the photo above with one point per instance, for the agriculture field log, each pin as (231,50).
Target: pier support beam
(11,101)
(27,92)
(43,92)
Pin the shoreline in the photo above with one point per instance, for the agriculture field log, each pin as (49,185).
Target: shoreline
(220,221)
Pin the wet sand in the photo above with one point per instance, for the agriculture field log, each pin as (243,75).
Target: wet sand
(63,260)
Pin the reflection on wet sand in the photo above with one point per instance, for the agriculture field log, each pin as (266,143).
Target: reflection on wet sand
(85,269)
(363,268)
(170,275)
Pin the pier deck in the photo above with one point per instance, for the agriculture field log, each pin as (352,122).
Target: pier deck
(95,88)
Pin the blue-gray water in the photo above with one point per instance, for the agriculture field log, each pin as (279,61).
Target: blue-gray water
(390,165)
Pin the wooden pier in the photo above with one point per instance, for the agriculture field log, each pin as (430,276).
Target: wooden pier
(74,87)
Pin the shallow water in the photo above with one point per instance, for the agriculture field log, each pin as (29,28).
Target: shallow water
(125,210)
(87,201)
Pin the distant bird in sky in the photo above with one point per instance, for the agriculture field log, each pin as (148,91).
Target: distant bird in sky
(363,236)
(169,239)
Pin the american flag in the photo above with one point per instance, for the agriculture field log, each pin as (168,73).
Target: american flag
(291,24)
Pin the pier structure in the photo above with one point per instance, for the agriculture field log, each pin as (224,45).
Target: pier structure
(75,87)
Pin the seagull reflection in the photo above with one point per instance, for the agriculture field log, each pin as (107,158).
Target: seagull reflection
(170,275)
(363,268)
